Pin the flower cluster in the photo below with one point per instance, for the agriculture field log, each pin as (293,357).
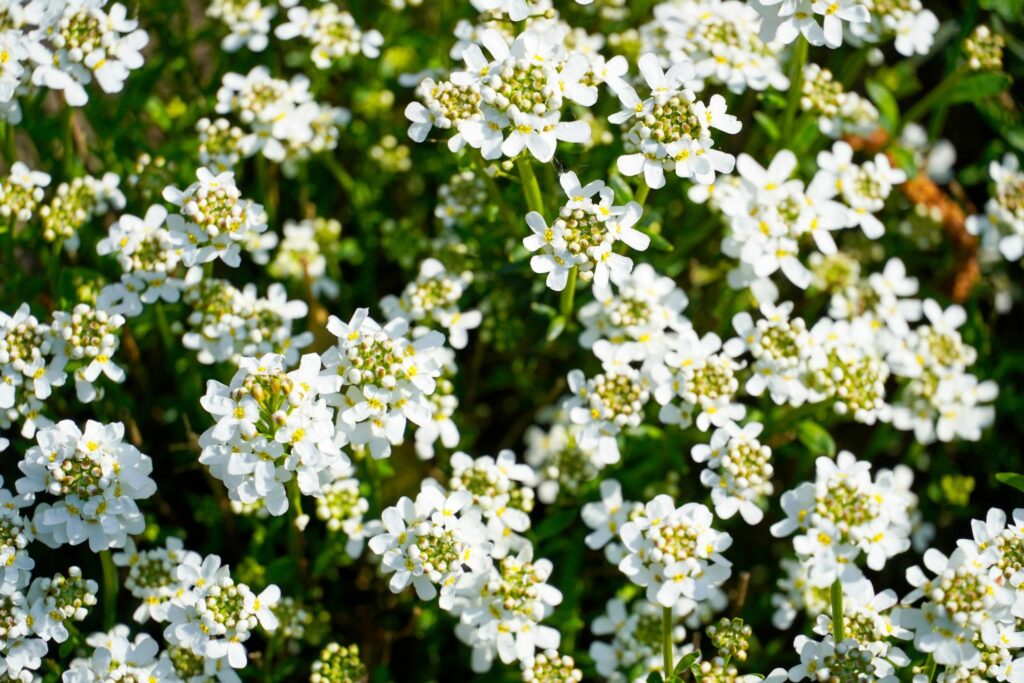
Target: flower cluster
(149,256)
(436,543)
(845,512)
(769,213)
(840,112)
(738,471)
(1001,227)
(274,429)
(65,46)
(385,379)
(280,119)
(343,508)
(247,20)
(95,479)
(636,639)
(455,543)
(786,21)
(38,613)
(432,301)
(212,615)
(510,102)
(675,553)
(502,491)
(967,617)
(74,204)
(332,34)
(227,324)
(720,38)
(581,241)
(670,130)
(214,221)
(22,191)
(561,464)
(302,255)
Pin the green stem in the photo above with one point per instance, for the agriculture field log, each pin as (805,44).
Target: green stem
(492,188)
(531,187)
(165,330)
(343,177)
(9,243)
(294,533)
(838,634)
(268,659)
(640,197)
(68,141)
(796,86)
(569,295)
(926,103)
(53,267)
(10,150)
(666,641)
(930,666)
(110,586)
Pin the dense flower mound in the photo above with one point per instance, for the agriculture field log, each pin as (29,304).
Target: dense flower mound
(639,341)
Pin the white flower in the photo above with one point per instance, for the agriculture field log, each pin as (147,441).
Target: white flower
(966,595)
(85,42)
(822,660)
(502,490)
(332,32)
(215,616)
(607,517)
(152,576)
(583,235)
(55,601)
(432,300)
(437,543)
(642,311)
(1002,226)
(781,348)
(786,19)
(248,21)
(721,38)
(738,471)
(272,427)
(118,658)
(609,402)
(512,101)
(842,513)
(675,553)
(22,190)
(96,479)
(702,373)
(501,609)
(630,628)
(343,508)
(214,220)
(386,379)
(227,324)
(671,129)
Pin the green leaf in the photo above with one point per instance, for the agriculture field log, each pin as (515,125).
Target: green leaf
(1012,479)
(543,309)
(555,328)
(905,160)
(767,124)
(687,661)
(886,103)
(555,523)
(657,241)
(1011,10)
(978,87)
(816,438)
(655,677)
